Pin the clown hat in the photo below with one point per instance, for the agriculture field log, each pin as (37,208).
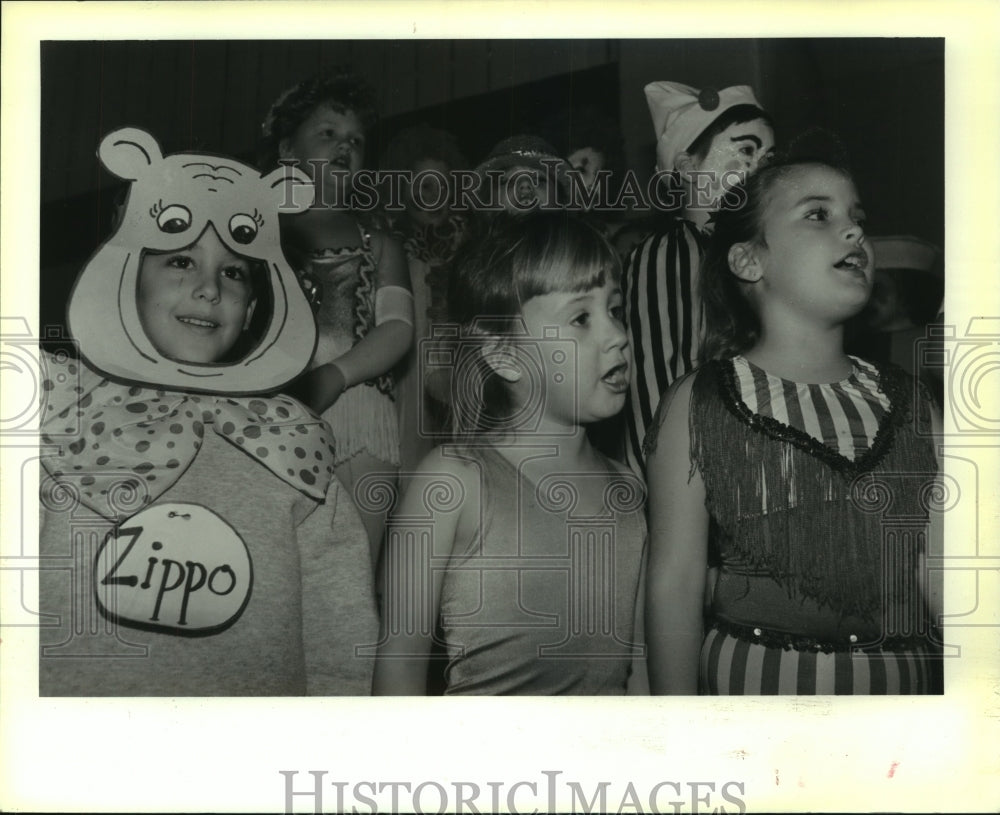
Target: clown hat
(681,113)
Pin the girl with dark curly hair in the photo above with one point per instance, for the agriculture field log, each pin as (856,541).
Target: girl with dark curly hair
(356,277)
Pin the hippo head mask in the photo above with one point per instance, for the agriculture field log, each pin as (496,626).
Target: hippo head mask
(172,201)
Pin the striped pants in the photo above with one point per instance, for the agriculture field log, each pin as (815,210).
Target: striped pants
(731,666)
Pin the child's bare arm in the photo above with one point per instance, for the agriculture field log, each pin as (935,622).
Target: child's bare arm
(638,681)
(381,348)
(419,542)
(678,534)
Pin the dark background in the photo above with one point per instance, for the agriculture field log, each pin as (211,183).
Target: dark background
(885,97)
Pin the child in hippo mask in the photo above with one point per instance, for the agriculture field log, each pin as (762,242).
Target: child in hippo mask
(219,555)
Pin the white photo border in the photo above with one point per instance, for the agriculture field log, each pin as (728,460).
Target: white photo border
(824,754)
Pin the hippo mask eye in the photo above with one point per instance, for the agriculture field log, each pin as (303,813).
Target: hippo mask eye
(243,228)
(174,219)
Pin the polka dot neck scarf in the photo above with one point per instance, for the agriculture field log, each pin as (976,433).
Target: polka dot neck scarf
(106,429)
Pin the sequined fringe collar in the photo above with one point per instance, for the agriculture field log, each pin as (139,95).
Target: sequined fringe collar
(890,382)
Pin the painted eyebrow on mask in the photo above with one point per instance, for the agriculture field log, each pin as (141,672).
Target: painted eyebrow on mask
(748,137)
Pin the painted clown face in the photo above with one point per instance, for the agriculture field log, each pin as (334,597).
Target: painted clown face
(164,300)
(734,154)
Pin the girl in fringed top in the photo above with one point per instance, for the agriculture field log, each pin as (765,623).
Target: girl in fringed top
(791,460)
(356,277)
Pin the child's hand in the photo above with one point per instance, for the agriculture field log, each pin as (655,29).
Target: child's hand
(320,387)
(326,385)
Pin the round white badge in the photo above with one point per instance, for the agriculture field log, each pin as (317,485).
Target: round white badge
(174,568)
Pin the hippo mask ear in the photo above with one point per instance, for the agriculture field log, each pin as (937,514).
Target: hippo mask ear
(294,190)
(129,153)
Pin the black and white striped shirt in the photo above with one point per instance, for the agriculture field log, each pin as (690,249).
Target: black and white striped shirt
(663,315)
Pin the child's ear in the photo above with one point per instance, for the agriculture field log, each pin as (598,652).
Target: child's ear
(744,262)
(285,149)
(501,356)
(684,162)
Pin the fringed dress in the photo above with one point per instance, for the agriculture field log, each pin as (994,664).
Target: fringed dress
(342,285)
(818,497)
